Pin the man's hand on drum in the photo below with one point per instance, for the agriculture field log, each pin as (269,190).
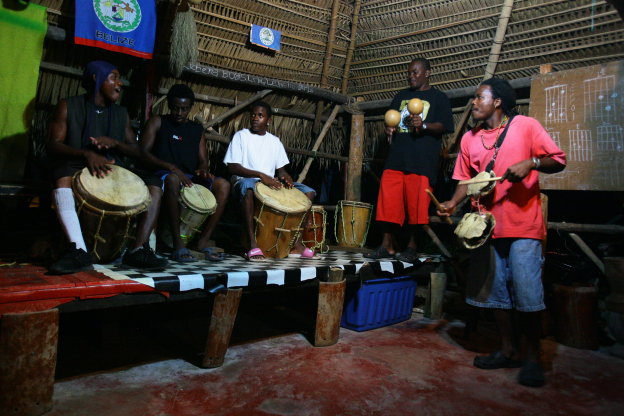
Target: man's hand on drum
(518,171)
(286,180)
(97,164)
(184,180)
(103,142)
(270,181)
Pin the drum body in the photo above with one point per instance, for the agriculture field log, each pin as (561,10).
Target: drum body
(352,220)
(313,236)
(107,208)
(196,204)
(278,214)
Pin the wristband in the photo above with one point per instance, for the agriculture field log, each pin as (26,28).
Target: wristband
(424,126)
(536,162)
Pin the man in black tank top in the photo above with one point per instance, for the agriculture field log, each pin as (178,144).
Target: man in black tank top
(176,147)
(87,131)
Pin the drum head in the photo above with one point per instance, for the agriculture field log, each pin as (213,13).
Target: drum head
(198,198)
(474,229)
(120,187)
(290,201)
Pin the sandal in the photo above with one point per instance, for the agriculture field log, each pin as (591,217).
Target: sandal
(380,253)
(307,254)
(496,360)
(409,255)
(210,253)
(255,254)
(183,255)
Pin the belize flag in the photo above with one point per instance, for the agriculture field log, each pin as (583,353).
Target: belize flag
(127,26)
(265,37)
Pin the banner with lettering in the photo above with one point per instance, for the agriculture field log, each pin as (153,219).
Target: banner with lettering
(265,37)
(126,26)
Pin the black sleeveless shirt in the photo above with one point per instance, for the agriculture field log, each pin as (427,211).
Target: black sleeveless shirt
(178,143)
(85,119)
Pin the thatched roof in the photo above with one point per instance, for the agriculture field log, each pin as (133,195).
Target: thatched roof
(353,48)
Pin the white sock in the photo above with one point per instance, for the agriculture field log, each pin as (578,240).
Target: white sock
(66,211)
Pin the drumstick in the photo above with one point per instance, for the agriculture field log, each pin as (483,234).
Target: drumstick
(471,181)
(438,206)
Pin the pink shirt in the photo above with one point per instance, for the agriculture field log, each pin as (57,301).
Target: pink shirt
(515,206)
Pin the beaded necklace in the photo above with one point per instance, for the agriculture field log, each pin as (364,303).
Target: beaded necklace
(502,123)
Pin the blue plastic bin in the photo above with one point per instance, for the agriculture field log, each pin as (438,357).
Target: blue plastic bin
(378,303)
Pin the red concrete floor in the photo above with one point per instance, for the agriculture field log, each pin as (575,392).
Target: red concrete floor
(405,369)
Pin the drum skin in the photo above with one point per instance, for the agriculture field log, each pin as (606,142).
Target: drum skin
(278,214)
(107,208)
(313,236)
(352,222)
(197,203)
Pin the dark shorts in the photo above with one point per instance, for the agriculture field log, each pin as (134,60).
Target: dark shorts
(157,179)
(66,168)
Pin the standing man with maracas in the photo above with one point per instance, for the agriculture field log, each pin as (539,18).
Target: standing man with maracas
(416,121)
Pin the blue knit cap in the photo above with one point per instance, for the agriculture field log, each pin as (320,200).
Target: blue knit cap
(101,70)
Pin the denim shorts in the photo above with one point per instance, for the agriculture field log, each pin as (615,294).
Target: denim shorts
(517,280)
(242,185)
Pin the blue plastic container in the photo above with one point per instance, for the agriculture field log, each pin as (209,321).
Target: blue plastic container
(378,303)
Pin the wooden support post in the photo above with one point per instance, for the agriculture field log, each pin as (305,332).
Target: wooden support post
(28,346)
(356,155)
(436,240)
(588,251)
(329,312)
(221,324)
(435,295)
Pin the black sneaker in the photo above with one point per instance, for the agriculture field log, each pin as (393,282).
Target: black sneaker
(73,260)
(144,258)
(496,360)
(531,374)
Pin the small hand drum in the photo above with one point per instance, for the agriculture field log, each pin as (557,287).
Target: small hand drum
(482,187)
(474,229)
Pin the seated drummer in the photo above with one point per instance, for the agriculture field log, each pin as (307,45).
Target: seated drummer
(255,155)
(177,147)
(90,131)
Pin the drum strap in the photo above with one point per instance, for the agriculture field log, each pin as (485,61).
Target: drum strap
(498,144)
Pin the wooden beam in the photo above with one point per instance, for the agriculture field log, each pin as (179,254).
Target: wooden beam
(263,82)
(259,95)
(347,67)
(318,142)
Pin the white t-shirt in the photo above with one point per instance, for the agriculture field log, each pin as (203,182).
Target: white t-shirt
(252,151)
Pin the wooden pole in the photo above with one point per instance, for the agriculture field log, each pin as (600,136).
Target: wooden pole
(330,300)
(237,108)
(356,156)
(318,142)
(490,69)
(222,320)
(347,68)
(331,40)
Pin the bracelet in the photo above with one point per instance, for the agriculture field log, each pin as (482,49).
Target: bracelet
(536,162)
(424,126)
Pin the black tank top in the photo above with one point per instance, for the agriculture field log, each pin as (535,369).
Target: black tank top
(85,119)
(178,143)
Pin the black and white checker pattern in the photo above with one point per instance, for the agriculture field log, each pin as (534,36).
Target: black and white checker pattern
(236,271)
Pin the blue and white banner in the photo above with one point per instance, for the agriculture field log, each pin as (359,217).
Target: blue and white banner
(265,37)
(127,26)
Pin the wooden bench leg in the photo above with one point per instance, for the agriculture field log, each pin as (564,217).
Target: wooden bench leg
(28,347)
(330,303)
(221,324)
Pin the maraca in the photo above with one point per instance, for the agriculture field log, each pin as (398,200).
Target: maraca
(415,106)
(392,118)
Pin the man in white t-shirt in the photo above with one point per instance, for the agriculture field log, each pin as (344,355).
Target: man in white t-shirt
(256,155)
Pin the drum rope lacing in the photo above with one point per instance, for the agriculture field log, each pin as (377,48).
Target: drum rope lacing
(338,214)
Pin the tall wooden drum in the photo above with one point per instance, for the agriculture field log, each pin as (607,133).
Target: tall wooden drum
(278,214)
(352,219)
(196,204)
(107,207)
(313,235)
